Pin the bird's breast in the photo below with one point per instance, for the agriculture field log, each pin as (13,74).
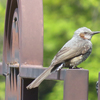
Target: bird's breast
(77,60)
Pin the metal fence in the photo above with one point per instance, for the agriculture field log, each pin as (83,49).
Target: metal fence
(23,55)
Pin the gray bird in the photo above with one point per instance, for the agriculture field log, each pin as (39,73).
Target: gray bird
(70,55)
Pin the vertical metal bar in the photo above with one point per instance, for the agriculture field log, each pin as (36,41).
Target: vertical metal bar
(28,94)
(18,87)
(30,32)
(13,86)
(76,85)
(7,88)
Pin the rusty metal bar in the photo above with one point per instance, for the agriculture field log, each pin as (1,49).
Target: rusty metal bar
(31,32)
(18,88)
(7,52)
(23,44)
(32,71)
(76,85)
(13,85)
(13,65)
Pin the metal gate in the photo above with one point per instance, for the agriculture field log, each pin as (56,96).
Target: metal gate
(23,55)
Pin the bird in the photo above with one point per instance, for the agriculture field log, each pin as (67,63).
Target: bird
(74,52)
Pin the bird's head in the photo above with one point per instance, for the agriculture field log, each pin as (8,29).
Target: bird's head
(85,33)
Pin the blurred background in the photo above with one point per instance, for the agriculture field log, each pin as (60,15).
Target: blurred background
(61,19)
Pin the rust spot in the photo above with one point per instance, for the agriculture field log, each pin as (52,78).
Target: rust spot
(82,35)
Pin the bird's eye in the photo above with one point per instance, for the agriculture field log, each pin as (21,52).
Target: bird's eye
(85,32)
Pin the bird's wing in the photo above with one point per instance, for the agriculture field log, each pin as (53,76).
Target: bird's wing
(69,52)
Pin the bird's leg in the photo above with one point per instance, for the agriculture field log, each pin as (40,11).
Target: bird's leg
(75,67)
(81,68)
(60,67)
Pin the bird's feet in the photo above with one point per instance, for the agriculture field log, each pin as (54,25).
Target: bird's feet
(75,67)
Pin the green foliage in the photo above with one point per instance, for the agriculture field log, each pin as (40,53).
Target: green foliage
(2,88)
(57,92)
(61,19)
(2,21)
(2,18)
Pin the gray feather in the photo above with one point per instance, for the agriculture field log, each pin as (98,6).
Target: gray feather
(69,51)
(40,78)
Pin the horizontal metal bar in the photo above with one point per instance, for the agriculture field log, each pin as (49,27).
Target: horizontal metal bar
(29,71)
(14,65)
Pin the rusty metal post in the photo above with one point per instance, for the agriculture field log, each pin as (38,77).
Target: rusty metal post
(30,41)
(23,45)
(76,85)
(28,94)
(31,32)
(13,86)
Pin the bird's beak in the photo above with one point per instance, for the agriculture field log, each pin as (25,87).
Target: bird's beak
(96,32)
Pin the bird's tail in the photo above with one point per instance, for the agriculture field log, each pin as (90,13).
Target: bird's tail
(40,78)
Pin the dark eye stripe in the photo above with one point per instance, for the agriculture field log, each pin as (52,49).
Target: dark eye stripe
(85,32)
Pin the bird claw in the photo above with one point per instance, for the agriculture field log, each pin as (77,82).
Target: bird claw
(76,67)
